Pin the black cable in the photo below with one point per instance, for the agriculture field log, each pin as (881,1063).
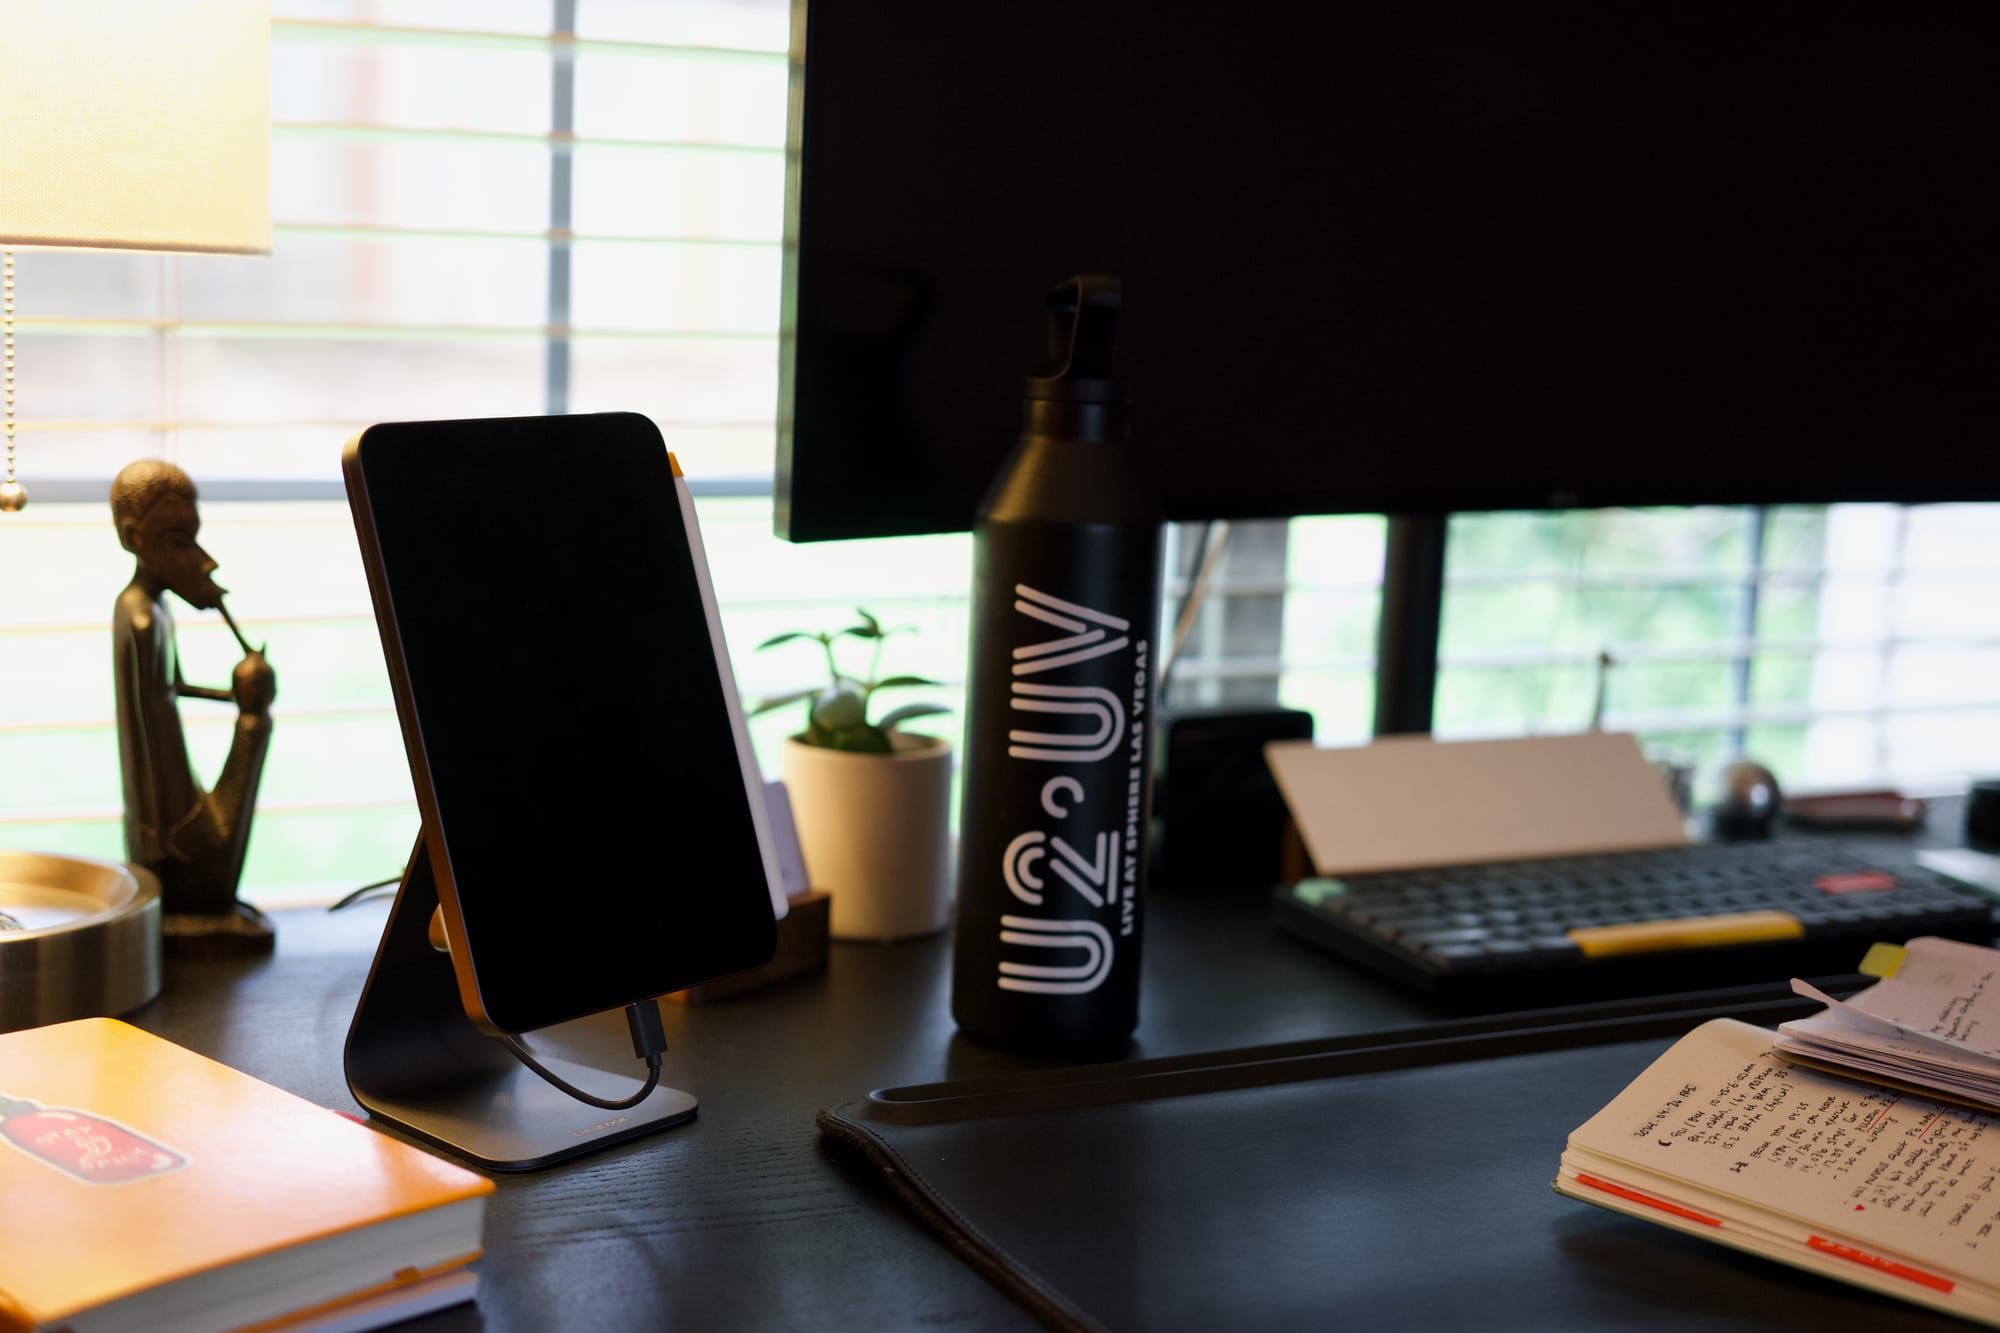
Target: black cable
(649,1041)
(652,1079)
(350,899)
(649,1037)
(392,882)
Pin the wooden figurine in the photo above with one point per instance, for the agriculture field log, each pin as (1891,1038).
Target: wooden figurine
(194,840)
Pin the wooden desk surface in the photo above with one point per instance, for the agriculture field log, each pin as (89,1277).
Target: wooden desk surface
(744,1218)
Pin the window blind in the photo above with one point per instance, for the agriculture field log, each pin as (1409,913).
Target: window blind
(480,209)
(489,207)
(1846,646)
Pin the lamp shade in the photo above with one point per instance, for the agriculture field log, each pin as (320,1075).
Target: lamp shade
(136,124)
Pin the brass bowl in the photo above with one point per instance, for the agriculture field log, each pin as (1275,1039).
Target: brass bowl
(80,938)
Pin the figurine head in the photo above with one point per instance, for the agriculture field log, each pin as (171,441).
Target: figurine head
(152,504)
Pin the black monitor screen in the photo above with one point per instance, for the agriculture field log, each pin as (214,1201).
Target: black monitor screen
(1401,257)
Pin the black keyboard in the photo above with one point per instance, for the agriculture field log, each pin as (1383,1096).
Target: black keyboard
(1626,923)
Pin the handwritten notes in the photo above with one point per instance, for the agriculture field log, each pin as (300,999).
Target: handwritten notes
(1935,1024)
(1725,1139)
(1723,1125)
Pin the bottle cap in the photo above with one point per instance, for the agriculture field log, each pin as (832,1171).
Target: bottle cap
(1083,326)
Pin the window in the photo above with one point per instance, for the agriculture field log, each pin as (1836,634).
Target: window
(489,207)
(480,209)
(1842,646)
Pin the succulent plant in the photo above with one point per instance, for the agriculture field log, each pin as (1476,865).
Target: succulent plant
(837,713)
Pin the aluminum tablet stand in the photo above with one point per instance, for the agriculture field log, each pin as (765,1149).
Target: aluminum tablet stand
(416,1062)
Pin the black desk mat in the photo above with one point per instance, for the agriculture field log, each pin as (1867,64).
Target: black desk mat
(1400,1181)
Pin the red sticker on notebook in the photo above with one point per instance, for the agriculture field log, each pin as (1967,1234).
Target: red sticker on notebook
(1857,881)
(82,1146)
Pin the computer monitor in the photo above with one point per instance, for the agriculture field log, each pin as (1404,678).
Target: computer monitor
(1408,257)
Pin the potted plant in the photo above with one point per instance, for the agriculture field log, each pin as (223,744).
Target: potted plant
(872,803)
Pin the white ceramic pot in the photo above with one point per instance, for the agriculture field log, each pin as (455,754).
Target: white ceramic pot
(875,832)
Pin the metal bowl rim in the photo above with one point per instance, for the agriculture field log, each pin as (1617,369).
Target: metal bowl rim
(144,891)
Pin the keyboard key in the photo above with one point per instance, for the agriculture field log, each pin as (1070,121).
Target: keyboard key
(1856,881)
(1441,938)
(1688,932)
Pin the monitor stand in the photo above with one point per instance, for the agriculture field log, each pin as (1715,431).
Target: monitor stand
(416,1062)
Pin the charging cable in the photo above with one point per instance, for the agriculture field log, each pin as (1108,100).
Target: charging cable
(649,1042)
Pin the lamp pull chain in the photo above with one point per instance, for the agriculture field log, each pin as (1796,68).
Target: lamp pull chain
(12,494)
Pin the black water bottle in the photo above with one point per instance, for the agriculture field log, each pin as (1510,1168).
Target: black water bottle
(1056,783)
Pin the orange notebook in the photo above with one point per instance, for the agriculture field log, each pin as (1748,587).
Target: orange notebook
(145,1187)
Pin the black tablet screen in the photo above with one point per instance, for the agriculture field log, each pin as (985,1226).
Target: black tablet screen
(576,731)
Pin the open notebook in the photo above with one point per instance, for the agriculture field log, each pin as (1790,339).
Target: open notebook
(1724,1139)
